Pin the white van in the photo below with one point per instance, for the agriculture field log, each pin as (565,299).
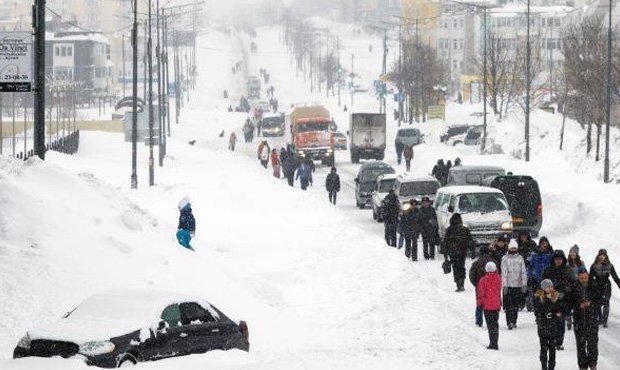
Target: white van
(484,211)
(411,185)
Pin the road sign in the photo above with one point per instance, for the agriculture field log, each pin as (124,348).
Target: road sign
(437,112)
(15,61)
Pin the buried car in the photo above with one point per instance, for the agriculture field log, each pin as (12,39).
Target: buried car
(121,328)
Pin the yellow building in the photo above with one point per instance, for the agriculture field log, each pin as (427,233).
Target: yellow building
(426,12)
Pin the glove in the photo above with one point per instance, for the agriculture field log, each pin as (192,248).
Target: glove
(523,289)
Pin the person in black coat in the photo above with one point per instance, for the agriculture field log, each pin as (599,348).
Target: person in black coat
(584,301)
(563,281)
(289,166)
(391,211)
(408,227)
(600,272)
(427,223)
(456,242)
(526,246)
(548,311)
(332,185)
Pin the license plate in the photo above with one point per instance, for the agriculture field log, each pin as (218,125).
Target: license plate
(517,220)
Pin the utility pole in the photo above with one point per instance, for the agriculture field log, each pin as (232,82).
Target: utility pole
(167,72)
(384,68)
(528,83)
(319,71)
(39,90)
(177,88)
(134,114)
(484,84)
(417,73)
(551,60)
(339,67)
(151,112)
(352,84)
(608,99)
(162,129)
(400,74)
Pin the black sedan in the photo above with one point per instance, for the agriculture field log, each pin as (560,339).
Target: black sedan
(126,327)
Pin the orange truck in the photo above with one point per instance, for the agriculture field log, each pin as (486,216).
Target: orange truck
(311,133)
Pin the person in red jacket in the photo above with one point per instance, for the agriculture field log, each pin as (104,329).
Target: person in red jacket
(489,296)
(275,162)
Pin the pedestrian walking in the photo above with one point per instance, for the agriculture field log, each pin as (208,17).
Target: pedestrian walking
(488,296)
(408,154)
(563,281)
(391,210)
(576,264)
(427,223)
(187,223)
(304,174)
(409,229)
(498,250)
(548,312)
(289,165)
(526,245)
(514,283)
(275,163)
(456,243)
(438,170)
(400,147)
(585,302)
(232,141)
(600,272)
(476,272)
(332,185)
(539,260)
(264,153)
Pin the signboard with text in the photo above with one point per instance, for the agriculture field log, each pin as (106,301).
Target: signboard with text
(15,62)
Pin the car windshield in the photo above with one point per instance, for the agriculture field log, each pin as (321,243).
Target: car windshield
(371,174)
(418,188)
(272,122)
(313,126)
(386,185)
(481,202)
(408,133)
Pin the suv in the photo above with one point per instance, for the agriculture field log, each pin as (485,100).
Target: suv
(415,186)
(473,175)
(409,136)
(383,185)
(484,211)
(524,200)
(366,179)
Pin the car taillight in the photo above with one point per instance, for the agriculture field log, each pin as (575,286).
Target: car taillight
(539,210)
(243,327)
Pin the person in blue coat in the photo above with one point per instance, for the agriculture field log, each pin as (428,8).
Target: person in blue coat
(539,260)
(187,223)
(304,174)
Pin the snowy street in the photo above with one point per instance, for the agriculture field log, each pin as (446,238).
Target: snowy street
(316,283)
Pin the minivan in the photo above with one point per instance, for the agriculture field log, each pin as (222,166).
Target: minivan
(524,200)
(366,179)
(473,175)
(409,136)
(410,185)
(484,210)
(383,185)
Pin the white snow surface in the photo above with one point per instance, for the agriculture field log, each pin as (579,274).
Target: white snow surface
(316,283)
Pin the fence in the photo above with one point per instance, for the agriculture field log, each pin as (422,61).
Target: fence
(21,146)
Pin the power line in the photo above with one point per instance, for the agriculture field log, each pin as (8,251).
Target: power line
(85,29)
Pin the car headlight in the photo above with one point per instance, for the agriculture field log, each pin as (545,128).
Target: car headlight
(96,348)
(507,226)
(301,154)
(24,342)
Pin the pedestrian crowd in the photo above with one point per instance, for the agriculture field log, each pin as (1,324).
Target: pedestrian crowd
(441,170)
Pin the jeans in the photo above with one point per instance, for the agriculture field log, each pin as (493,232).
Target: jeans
(304,183)
(332,197)
(390,233)
(427,243)
(547,352)
(512,298)
(479,316)
(492,318)
(184,237)
(586,337)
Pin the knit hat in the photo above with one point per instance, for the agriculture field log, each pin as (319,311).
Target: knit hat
(574,248)
(602,251)
(582,270)
(546,284)
(490,267)
(513,245)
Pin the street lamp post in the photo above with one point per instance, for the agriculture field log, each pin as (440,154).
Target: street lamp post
(134,118)
(608,100)
(528,82)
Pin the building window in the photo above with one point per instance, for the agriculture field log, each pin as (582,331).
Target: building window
(461,44)
(57,51)
(63,51)
(70,51)
(455,44)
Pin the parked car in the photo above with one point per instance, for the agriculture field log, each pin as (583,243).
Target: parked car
(524,200)
(473,175)
(125,327)
(415,186)
(484,211)
(366,179)
(340,141)
(473,136)
(454,131)
(409,136)
(382,186)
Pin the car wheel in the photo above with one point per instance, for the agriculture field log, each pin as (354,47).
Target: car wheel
(127,360)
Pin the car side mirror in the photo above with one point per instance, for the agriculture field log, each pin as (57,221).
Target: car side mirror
(451,209)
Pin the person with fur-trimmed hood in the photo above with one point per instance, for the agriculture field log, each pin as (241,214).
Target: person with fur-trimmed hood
(600,272)
(548,311)
(563,281)
(488,296)
(514,283)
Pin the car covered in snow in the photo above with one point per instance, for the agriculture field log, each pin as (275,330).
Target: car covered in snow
(470,136)
(366,179)
(484,210)
(454,130)
(124,327)
(411,185)
(383,185)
